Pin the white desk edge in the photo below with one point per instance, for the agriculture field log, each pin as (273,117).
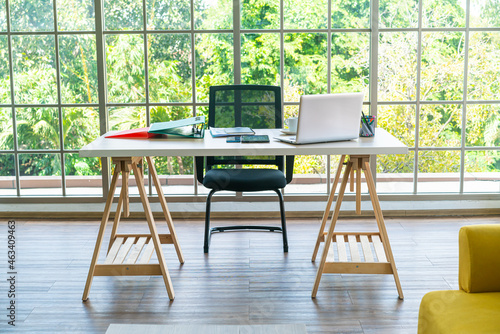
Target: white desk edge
(382,143)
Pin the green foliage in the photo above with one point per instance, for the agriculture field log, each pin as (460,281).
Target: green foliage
(75,15)
(168,15)
(260,14)
(78,69)
(306,14)
(351,14)
(123,14)
(31,15)
(399,13)
(168,57)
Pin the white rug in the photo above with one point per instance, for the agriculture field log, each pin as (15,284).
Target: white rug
(206,329)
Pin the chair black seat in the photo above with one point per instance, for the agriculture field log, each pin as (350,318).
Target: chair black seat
(244,179)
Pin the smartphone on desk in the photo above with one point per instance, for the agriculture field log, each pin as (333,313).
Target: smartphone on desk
(233,139)
(255,139)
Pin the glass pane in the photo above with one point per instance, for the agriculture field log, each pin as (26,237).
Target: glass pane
(482,172)
(438,171)
(483,125)
(484,66)
(351,63)
(395,173)
(484,13)
(210,14)
(174,166)
(6,130)
(176,175)
(442,66)
(177,168)
(40,174)
(306,63)
(214,62)
(443,14)
(309,175)
(8,166)
(77,54)
(398,14)
(291,111)
(3,17)
(123,14)
(80,126)
(166,114)
(31,15)
(170,68)
(260,59)
(125,68)
(351,14)
(74,15)
(203,111)
(260,14)
(83,175)
(398,121)
(305,14)
(168,15)
(37,128)
(397,69)
(7,175)
(440,125)
(4,71)
(126,118)
(34,69)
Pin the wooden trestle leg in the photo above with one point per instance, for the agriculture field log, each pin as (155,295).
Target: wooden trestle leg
(321,234)
(129,254)
(102,228)
(376,256)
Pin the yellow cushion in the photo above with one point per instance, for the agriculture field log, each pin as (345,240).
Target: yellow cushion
(459,312)
(479,258)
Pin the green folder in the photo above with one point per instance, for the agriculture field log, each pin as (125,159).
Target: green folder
(193,127)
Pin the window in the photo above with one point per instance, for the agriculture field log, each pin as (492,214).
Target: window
(72,69)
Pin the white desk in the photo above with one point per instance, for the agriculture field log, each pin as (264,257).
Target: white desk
(382,143)
(128,155)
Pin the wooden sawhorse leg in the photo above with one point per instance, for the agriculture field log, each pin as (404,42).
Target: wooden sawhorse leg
(334,259)
(129,254)
(321,234)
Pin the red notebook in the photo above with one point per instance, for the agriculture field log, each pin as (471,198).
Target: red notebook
(134,133)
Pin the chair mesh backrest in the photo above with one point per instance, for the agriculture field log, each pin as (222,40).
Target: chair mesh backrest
(255,106)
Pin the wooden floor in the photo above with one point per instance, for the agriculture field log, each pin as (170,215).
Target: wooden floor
(245,279)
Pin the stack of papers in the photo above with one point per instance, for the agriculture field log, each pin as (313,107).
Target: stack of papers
(236,131)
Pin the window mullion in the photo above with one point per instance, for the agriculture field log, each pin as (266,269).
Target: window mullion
(464,107)
(59,100)
(374,22)
(236,42)
(12,100)
(102,87)
(417,96)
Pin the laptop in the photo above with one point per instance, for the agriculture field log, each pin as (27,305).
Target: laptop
(327,117)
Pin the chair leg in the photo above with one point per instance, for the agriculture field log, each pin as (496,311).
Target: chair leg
(283,220)
(207,222)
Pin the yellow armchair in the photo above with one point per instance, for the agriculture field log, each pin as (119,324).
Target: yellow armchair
(475,308)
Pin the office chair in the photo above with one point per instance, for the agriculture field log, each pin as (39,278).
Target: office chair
(257,107)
